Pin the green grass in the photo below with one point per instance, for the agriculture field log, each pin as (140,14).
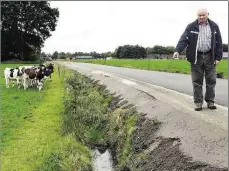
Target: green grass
(175,66)
(126,150)
(31,130)
(16,107)
(85,113)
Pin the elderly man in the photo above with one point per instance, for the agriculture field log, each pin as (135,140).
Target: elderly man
(204,51)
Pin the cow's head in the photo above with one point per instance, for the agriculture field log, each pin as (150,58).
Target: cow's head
(19,72)
(41,69)
(50,67)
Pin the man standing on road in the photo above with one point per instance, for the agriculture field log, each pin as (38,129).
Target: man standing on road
(204,51)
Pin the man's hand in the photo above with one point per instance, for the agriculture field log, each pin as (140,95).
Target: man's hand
(175,55)
(216,62)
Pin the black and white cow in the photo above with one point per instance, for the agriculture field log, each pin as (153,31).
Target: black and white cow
(29,81)
(13,74)
(35,73)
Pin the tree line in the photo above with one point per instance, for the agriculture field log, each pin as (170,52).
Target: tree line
(126,51)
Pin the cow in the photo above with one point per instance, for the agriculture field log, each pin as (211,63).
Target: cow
(25,67)
(49,69)
(35,73)
(31,81)
(13,74)
(40,77)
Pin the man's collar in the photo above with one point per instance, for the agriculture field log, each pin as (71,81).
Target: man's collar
(206,22)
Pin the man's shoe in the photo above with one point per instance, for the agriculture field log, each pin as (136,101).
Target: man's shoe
(211,106)
(198,107)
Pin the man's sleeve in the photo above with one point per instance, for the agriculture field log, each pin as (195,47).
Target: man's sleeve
(183,41)
(219,45)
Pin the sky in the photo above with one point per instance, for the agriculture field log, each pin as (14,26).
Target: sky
(102,26)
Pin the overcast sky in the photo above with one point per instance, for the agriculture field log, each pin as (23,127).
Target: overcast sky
(104,25)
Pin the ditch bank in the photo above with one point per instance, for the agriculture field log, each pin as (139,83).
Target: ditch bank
(105,121)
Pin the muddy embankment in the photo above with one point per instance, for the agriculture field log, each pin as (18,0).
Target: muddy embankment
(104,121)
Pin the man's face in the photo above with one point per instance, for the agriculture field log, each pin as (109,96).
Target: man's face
(202,16)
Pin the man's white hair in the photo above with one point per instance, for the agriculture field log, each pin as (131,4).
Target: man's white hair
(202,10)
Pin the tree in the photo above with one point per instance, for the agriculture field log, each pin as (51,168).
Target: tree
(169,50)
(55,55)
(118,51)
(26,24)
(108,54)
(113,54)
(149,50)
(43,55)
(158,49)
(130,51)
(61,55)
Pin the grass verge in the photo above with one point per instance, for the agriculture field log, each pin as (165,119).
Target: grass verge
(174,66)
(31,130)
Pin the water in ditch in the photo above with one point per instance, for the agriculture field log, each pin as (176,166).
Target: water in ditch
(102,161)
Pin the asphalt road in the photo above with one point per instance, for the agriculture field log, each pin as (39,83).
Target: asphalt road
(178,82)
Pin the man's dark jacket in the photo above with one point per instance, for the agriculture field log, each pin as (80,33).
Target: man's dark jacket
(189,39)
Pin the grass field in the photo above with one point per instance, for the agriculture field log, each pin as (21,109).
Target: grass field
(175,66)
(31,129)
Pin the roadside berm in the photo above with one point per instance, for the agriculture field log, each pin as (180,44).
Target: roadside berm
(168,134)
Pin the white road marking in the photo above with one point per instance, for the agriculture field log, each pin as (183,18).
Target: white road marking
(127,82)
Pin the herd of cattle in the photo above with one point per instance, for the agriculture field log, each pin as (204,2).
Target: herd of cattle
(28,76)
